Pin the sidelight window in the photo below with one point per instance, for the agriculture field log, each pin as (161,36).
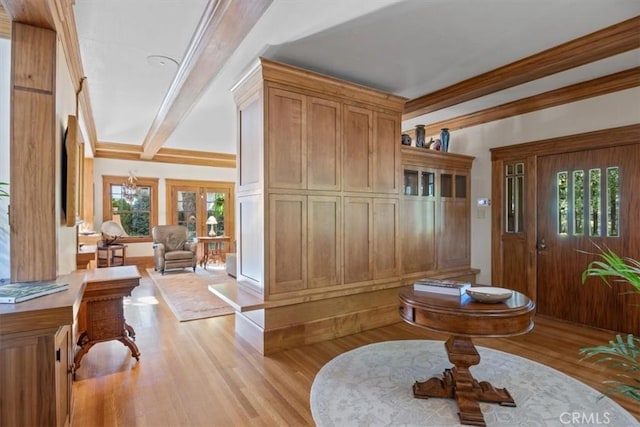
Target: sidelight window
(514,197)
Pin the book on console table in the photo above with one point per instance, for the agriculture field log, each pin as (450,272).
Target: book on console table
(447,287)
(11,293)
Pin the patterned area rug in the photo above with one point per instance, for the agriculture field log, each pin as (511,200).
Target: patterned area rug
(372,386)
(186,292)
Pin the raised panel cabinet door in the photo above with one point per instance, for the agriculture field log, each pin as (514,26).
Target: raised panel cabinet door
(386,254)
(324,241)
(418,231)
(63,356)
(324,144)
(250,253)
(386,153)
(453,235)
(357,162)
(287,243)
(250,144)
(358,239)
(287,139)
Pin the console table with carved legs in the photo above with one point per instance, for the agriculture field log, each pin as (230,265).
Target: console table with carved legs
(101,315)
(463,318)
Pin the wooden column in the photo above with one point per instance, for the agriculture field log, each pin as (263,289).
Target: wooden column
(33,154)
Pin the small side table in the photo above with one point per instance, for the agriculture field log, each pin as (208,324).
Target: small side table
(111,255)
(101,314)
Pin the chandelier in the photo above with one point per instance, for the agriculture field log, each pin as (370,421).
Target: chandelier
(130,188)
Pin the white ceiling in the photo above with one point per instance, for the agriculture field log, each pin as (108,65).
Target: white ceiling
(408,48)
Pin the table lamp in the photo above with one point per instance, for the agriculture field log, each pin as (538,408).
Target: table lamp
(212,221)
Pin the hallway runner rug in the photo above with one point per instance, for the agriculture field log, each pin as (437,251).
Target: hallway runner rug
(372,386)
(187,293)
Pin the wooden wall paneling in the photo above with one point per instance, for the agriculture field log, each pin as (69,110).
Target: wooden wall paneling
(358,232)
(33,67)
(357,169)
(287,243)
(386,153)
(33,216)
(287,139)
(386,251)
(18,355)
(324,144)
(324,267)
(453,245)
(418,228)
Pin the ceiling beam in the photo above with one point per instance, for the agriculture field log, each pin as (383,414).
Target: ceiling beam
(57,15)
(114,150)
(596,87)
(224,25)
(613,40)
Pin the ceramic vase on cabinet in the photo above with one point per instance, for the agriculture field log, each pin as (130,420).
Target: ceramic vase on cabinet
(444,139)
(420,136)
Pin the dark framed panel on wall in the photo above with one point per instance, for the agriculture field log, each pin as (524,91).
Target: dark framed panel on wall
(72,172)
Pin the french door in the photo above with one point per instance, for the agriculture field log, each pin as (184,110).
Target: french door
(587,198)
(205,208)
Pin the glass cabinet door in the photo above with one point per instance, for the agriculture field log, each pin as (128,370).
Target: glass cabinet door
(427,184)
(410,182)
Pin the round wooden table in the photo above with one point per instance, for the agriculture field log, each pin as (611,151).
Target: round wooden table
(465,318)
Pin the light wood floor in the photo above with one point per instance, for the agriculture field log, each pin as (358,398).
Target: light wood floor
(197,374)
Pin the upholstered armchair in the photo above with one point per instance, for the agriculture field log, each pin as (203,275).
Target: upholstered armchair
(171,249)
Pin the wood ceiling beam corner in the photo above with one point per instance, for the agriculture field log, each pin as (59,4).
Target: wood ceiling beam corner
(57,15)
(5,23)
(610,41)
(224,25)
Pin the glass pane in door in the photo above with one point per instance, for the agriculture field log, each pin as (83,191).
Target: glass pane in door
(215,209)
(187,212)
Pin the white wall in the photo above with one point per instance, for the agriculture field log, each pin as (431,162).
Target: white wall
(607,111)
(65,106)
(5,97)
(162,171)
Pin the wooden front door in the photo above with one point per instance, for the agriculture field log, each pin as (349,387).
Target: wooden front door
(587,198)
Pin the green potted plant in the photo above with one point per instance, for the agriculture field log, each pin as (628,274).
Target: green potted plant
(3,192)
(622,354)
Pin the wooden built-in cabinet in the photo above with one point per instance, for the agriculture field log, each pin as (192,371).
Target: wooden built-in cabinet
(324,236)
(36,357)
(435,213)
